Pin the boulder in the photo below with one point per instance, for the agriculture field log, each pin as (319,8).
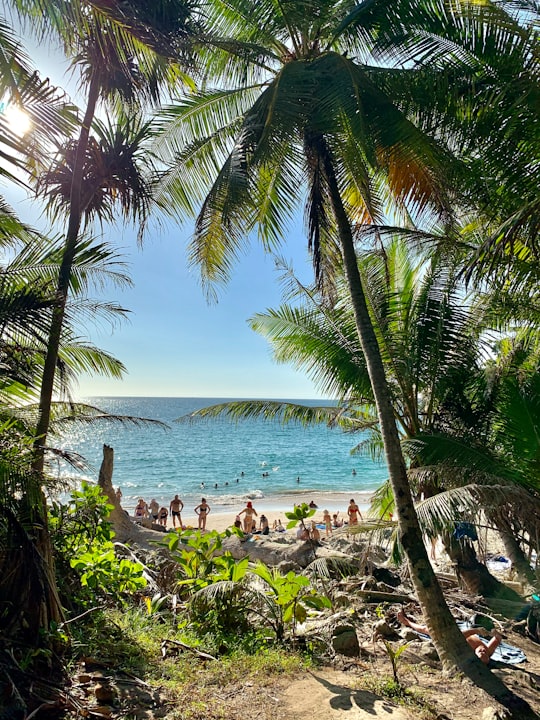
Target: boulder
(383,630)
(269,552)
(345,641)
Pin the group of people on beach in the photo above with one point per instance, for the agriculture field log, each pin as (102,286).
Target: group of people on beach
(246,520)
(248,523)
(159,515)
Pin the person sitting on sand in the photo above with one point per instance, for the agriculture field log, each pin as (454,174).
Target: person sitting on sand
(202,510)
(240,532)
(336,522)
(302,533)
(327,520)
(277,526)
(248,512)
(141,509)
(264,527)
(314,533)
(313,505)
(353,511)
(176,508)
(162,517)
(481,650)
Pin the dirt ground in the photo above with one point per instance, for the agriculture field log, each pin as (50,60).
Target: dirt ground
(341,694)
(349,689)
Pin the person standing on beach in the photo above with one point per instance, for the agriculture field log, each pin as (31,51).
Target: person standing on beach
(327,520)
(202,510)
(176,508)
(353,511)
(141,509)
(163,516)
(154,509)
(248,512)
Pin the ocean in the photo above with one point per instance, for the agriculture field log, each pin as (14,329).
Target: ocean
(227,462)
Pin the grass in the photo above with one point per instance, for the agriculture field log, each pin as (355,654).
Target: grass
(131,641)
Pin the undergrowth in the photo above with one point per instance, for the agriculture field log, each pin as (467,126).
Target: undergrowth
(132,641)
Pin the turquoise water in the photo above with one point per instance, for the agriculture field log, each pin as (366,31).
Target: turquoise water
(251,459)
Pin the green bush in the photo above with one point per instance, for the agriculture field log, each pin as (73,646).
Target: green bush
(88,570)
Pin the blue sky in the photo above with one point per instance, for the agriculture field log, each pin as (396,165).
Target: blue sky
(175,343)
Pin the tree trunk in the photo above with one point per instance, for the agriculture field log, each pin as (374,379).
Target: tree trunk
(513,549)
(453,650)
(124,528)
(64,277)
(475,576)
(121,523)
(52,608)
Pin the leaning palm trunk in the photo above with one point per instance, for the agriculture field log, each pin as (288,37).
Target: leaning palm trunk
(512,548)
(453,649)
(55,332)
(474,575)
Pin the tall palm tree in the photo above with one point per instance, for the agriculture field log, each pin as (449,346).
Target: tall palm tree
(432,342)
(299,114)
(27,299)
(117,66)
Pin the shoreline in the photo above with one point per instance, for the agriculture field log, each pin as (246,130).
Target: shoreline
(221,517)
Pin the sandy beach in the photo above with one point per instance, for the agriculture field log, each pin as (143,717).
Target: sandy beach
(222,517)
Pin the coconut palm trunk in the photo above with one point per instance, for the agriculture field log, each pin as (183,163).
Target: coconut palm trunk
(51,609)
(520,564)
(450,643)
(74,223)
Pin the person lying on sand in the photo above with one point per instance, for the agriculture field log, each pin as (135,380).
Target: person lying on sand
(482,651)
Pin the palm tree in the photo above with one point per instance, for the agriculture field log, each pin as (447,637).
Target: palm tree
(117,66)
(27,298)
(300,114)
(125,57)
(432,342)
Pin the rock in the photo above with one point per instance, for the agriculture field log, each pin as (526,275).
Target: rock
(288,566)
(491,713)
(271,553)
(341,600)
(158,528)
(384,575)
(382,629)
(345,641)
(105,693)
(427,651)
